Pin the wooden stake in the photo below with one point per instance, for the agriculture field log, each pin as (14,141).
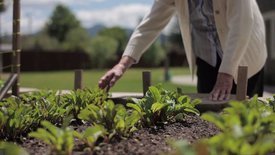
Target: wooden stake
(146,78)
(242,83)
(16,46)
(78,84)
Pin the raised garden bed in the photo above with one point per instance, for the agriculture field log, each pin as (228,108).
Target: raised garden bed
(83,122)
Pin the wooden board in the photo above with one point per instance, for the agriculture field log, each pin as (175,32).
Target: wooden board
(209,105)
(206,104)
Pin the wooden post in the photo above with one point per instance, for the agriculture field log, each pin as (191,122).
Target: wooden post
(146,78)
(78,84)
(16,46)
(242,83)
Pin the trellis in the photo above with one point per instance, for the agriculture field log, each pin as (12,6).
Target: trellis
(13,80)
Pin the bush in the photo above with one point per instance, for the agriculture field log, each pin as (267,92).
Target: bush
(154,56)
(102,51)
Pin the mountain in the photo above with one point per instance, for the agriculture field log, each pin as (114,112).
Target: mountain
(95,29)
(98,27)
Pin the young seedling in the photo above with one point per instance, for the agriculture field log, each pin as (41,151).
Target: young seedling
(115,118)
(61,141)
(160,105)
(91,135)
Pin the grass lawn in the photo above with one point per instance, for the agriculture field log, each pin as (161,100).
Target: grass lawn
(130,82)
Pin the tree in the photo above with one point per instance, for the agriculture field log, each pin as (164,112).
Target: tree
(77,39)
(40,41)
(118,34)
(153,56)
(2,6)
(62,21)
(102,51)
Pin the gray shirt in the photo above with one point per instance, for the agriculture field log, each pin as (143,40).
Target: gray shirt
(205,40)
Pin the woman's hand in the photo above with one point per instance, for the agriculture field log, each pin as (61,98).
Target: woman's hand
(222,88)
(110,78)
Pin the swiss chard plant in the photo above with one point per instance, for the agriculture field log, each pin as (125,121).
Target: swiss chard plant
(115,118)
(60,140)
(247,127)
(91,136)
(11,149)
(16,118)
(160,105)
(79,99)
(24,114)
(47,105)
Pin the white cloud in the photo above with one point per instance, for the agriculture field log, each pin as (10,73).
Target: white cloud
(47,3)
(34,18)
(124,15)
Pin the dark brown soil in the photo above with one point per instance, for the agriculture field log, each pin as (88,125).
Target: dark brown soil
(144,141)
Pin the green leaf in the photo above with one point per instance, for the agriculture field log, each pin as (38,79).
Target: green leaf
(158,106)
(11,149)
(155,93)
(135,107)
(214,118)
(133,118)
(192,110)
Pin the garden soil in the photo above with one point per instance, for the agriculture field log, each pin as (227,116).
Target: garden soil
(143,142)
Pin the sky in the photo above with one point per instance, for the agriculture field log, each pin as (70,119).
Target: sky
(35,13)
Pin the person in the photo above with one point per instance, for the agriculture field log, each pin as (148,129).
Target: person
(218,35)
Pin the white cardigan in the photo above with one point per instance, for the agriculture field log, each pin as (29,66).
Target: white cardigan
(239,24)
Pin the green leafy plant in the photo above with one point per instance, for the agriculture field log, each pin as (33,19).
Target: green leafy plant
(61,141)
(182,147)
(23,114)
(91,135)
(271,102)
(11,149)
(47,105)
(79,99)
(247,127)
(160,105)
(16,118)
(115,118)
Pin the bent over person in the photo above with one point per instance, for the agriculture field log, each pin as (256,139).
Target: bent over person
(218,36)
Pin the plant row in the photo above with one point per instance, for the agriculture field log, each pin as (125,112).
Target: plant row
(20,115)
(247,127)
(54,114)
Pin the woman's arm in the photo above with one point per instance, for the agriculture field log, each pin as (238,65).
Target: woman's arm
(143,36)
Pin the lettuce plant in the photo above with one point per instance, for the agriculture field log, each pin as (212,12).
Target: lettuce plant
(160,105)
(61,141)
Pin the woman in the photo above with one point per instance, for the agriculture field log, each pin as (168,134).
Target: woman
(218,36)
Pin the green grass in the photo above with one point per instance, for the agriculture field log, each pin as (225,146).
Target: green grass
(130,82)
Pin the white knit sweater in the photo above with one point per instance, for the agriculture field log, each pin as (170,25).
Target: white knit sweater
(239,24)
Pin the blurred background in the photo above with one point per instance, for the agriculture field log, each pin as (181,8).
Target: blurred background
(59,36)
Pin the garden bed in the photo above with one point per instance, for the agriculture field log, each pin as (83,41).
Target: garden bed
(86,122)
(143,142)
